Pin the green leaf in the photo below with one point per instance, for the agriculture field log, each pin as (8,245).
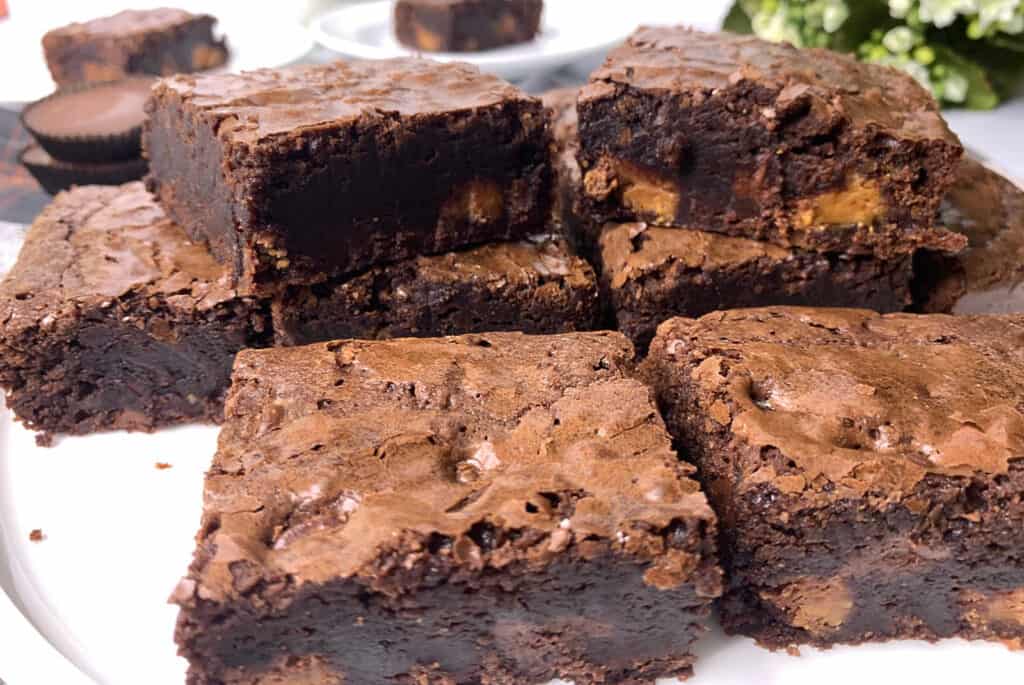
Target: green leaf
(1008,42)
(865,16)
(981,94)
(737,20)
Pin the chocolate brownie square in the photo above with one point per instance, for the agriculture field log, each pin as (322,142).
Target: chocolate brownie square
(868,470)
(489,508)
(466,25)
(650,274)
(300,174)
(987,277)
(113,319)
(802,148)
(158,42)
(536,286)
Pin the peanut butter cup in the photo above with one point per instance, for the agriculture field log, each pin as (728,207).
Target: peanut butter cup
(91,123)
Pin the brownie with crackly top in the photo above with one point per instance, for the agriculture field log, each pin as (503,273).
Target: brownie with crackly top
(300,174)
(533,286)
(466,25)
(650,274)
(112,319)
(867,470)
(988,277)
(159,42)
(803,148)
(487,508)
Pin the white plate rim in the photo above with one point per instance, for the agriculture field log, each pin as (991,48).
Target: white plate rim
(511,61)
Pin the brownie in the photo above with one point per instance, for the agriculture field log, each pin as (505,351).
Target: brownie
(987,277)
(300,174)
(536,286)
(867,470)
(158,42)
(650,274)
(466,25)
(802,148)
(492,508)
(112,319)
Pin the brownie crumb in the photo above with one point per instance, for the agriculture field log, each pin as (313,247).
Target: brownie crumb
(36,535)
(162,466)
(44,439)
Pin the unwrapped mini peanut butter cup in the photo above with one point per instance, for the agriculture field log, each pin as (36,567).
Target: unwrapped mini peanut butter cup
(56,175)
(96,123)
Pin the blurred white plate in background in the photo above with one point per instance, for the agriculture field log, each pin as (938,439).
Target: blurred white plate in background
(572,31)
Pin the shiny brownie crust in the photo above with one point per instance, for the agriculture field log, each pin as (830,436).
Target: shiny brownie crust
(466,25)
(489,508)
(301,174)
(867,470)
(803,148)
(159,42)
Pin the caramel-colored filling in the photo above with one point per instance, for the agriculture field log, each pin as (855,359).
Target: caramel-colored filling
(818,606)
(479,201)
(654,198)
(1000,607)
(859,203)
(426,39)
(206,57)
(507,26)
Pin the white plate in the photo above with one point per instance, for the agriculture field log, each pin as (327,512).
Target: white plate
(119,533)
(257,38)
(572,30)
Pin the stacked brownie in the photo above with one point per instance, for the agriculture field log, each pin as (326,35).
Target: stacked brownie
(370,200)
(717,171)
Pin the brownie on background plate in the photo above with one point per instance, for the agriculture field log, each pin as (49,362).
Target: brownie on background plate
(113,318)
(466,25)
(803,148)
(159,42)
(867,470)
(487,508)
(300,174)
(987,277)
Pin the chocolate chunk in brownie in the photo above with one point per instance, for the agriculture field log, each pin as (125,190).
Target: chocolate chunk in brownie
(113,319)
(466,25)
(803,148)
(651,274)
(489,508)
(536,286)
(987,277)
(300,174)
(158,42)
(868,470)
